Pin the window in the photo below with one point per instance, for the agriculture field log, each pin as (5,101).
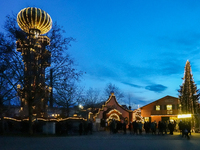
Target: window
(169,107)
(146,119)
(158,107)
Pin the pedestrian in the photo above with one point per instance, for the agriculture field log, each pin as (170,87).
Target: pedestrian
(160,127)
(90,127)
(180,125)
(80,128)
(130,127)
(124,127)
(165,127)
(153,128)
(140,127)
(186,130)
(171,127)
(135,127)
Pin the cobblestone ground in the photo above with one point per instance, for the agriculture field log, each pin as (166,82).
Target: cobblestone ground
(102,141)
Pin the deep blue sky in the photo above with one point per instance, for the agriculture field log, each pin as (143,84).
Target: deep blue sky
(141,46)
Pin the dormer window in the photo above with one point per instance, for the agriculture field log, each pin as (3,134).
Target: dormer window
(157,107)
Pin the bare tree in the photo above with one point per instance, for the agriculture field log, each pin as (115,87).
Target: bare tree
(92,98)
(113,88)
(64,76)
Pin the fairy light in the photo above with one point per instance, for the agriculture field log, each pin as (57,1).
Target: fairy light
(112,115)
(114,110)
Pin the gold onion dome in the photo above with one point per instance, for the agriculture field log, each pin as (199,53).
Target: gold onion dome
(34,18)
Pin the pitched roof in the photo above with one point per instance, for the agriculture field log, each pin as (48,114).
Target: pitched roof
(159,100)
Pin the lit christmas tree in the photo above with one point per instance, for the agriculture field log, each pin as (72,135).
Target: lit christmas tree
(138,116)
(188,93)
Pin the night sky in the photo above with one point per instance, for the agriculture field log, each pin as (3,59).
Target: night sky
(140,46)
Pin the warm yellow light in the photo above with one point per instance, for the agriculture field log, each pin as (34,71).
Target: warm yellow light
(157,107)
(169,107)
(113,115)
(113,110)
(18,86)
(34,18)
(185,116)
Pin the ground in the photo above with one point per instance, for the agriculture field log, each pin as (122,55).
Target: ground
(102,141)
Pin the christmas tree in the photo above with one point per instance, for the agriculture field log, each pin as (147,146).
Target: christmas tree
(188,93)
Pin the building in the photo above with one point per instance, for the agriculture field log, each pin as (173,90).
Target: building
(110,110)
(164,109)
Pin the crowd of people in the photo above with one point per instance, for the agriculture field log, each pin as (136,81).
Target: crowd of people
(160,128)
(85,128)
(185,128)
(137,128)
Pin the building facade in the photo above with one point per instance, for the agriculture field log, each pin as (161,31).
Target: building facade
(111,110)
(164,109)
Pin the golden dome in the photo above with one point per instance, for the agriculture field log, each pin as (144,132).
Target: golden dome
(34,18)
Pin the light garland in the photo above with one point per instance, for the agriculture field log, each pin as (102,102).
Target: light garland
(42,119)
(113,111)
(113,114)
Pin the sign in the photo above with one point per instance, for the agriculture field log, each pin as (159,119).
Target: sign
(185,116)
(98,120)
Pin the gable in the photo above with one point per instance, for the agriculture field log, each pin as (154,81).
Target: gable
(165,100)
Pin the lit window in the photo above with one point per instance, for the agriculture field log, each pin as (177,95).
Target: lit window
(169,107)
(157,107)
(146,119)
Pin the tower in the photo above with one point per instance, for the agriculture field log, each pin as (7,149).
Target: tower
(35,93)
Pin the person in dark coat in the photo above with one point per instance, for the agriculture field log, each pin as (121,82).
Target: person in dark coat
(140,127)
(160,127)
(180,125)
(90,127)
(186,128)
(124,127)
(165,127)
(171,128)
(80,128)
(130,127)
(153,128)
(135,127)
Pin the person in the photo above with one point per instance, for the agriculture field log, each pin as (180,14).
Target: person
(145,127)
(180,125)
(186,130)
(165,127)
(85,127)
(160,127)
(90,127)
(80,128)
(111,126)
(114,126)
(153,128)
(124,127)
(140,127)
(130,127)
(171,127)
(189,127)
(135,127)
